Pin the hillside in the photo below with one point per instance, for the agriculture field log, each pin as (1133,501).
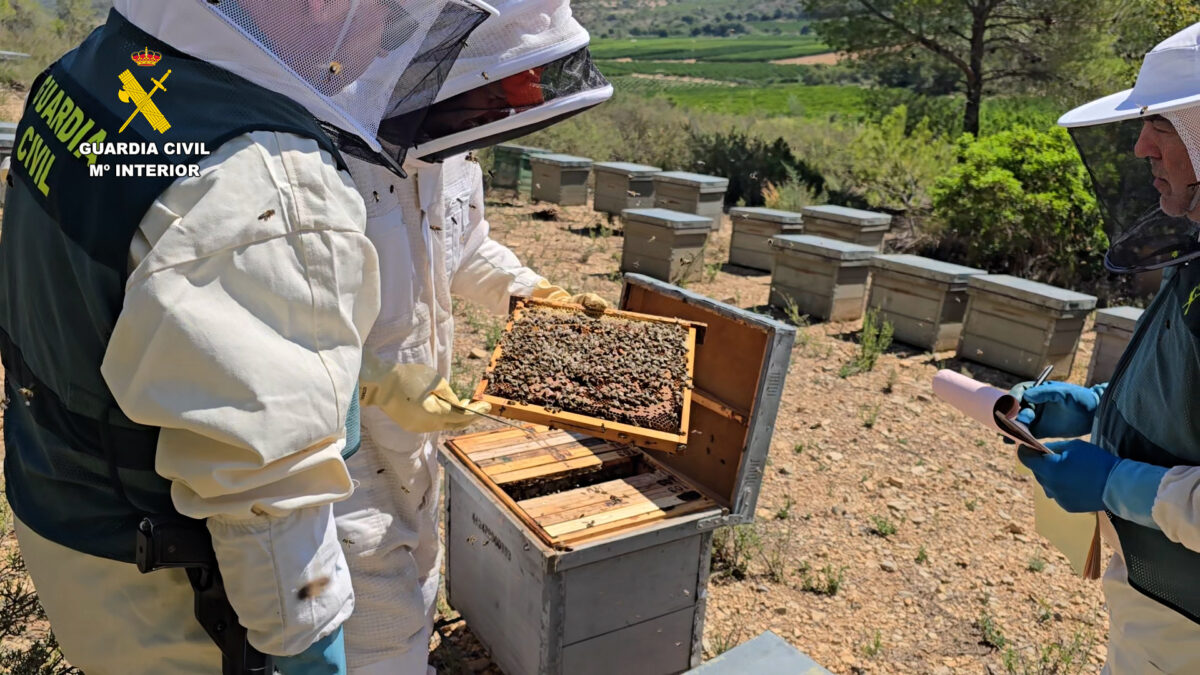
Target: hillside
(624,18)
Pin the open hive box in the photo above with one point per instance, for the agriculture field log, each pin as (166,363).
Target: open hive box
(569,488)
(572,553)
(619,375)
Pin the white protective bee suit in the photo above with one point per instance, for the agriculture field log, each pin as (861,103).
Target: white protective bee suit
(432,238)
(251,291)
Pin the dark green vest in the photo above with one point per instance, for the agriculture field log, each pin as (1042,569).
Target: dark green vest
(77,470)
(1149,414)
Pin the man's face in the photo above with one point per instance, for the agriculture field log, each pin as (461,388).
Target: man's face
(1170,164)
(330,43)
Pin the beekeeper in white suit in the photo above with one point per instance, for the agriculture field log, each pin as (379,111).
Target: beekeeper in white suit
(191,347)
(1142,466)
(523,69)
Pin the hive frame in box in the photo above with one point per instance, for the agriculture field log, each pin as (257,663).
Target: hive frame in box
(650,439)
(598,525)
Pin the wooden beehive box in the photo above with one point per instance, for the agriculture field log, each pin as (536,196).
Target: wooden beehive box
(857,226)
(1021,326)
(753,229)
(924,299)
(1114,329)
(666,245)
(674,439)
(621,185)
(560,179)
(607,571)
(691,193)
(825,278)
(511,168)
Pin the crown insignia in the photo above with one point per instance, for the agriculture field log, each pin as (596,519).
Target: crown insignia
(146,57)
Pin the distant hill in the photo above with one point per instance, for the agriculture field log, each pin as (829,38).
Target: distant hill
(683,18)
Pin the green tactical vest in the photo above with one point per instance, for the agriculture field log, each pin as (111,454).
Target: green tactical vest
(77,470)
(1149,414)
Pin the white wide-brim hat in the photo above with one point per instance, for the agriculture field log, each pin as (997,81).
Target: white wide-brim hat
(1169,80)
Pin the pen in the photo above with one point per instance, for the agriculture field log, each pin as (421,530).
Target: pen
(1041,379)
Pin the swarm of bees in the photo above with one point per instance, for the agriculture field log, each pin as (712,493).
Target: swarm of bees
(607,367)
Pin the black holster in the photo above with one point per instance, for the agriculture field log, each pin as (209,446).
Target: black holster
(165,542)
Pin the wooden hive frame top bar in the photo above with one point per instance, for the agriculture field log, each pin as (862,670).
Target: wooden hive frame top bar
(574,517)
(652,439)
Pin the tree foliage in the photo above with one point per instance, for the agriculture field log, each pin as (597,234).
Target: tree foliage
(987,43)
(750,163)
(1020,202)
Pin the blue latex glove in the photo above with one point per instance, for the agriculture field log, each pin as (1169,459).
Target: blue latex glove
(1075,476)
(1060,409)
(326,656)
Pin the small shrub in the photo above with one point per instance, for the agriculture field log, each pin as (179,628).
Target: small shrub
(734,548)
(828,581)
(774,558)
(872,648)
(922,556)
(751,163)
(1036,564)
(492,335)
(798,449)
(785,511)
(870,416)
(874,340)
(882,527)
(989,631)
(893,378)
(1021,201)
(971,504)
(1061,657)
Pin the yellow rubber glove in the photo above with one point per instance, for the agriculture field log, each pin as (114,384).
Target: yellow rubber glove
(551,293)
(415,396)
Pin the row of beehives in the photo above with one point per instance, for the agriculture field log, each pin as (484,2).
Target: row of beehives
(564,180)
(831,270)
(1005,322)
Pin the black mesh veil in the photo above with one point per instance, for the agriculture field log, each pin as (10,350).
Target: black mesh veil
(419,86)
(527,100)
(1143,237)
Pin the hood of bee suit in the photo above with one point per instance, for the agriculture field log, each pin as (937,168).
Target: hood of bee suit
(347,61)
(1143,235)
(525,69)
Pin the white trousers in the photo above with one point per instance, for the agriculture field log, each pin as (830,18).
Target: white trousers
(113,620)
(389,531)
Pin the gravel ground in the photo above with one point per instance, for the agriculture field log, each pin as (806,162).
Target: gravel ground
(962,585)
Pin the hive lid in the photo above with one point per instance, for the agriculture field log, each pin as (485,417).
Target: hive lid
(738,381)
(766,215)
(926,268)
(1045,295)
(676,220)
(564,161)
(697,180)
(823,246)
(1123,318)
(513,147)
(843,214)
(627,168)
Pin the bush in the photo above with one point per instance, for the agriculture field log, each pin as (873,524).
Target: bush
(1020,202)
(751,164)
(626,129)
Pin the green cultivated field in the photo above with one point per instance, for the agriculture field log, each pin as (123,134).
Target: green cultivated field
(755,101)
(741,73)
(736,49)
